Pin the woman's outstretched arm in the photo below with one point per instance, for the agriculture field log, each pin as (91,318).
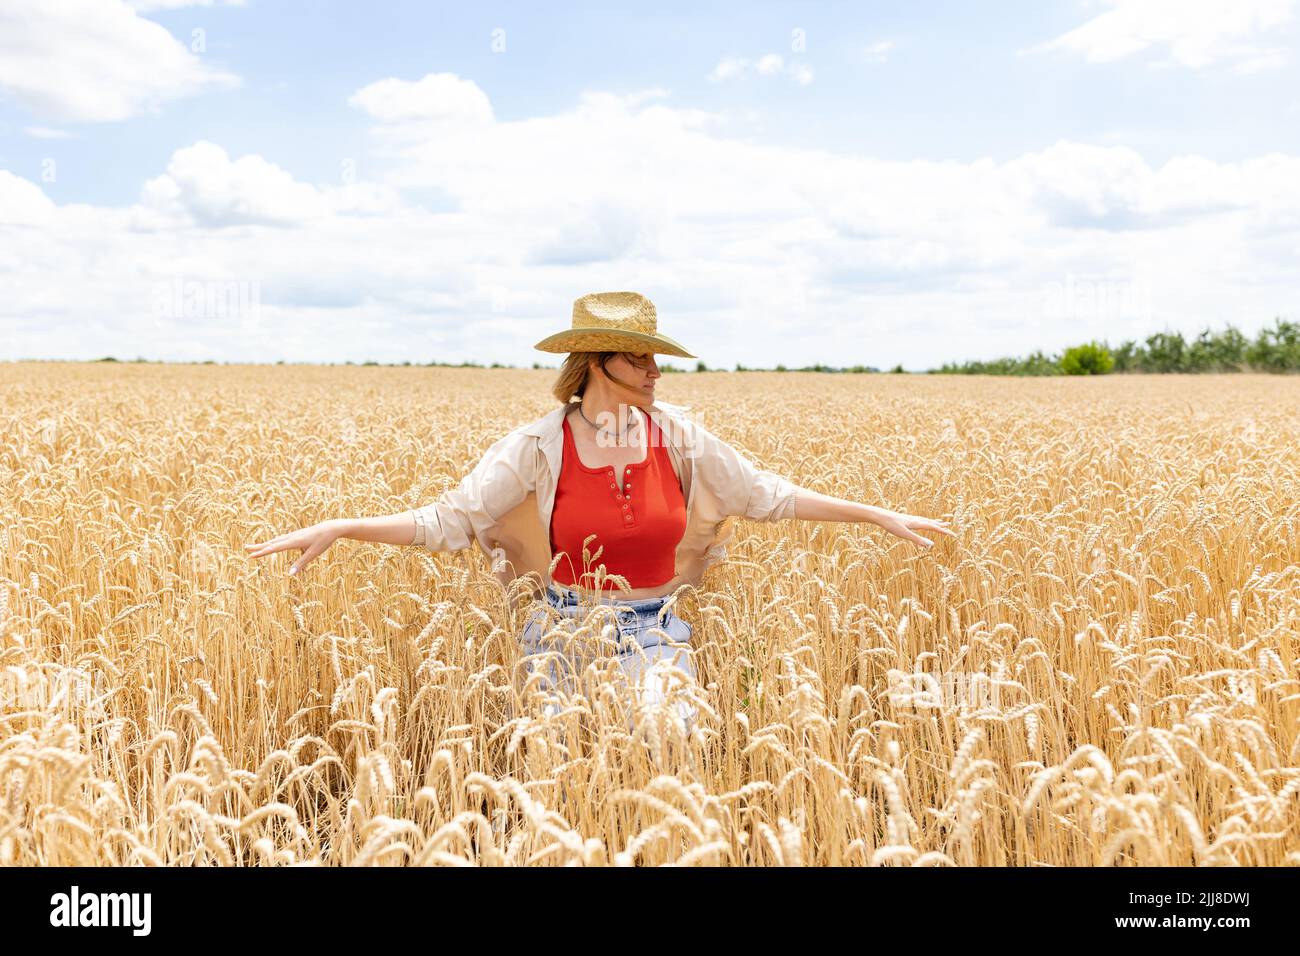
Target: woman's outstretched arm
(501,480)
(313,540)
(764,495)
(814,506)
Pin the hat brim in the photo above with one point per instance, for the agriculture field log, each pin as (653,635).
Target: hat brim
(610,340)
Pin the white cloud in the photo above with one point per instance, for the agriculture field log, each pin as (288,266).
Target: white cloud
(1261,61)
(95,61)
(743,246)
(437,97)
(1193,33)
(204,187)
(203,184)
(23,203)
(879,51)
(769,64)
(146,6)
(728,68)
(46,132)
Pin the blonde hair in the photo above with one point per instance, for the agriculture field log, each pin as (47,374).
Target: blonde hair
(573,375)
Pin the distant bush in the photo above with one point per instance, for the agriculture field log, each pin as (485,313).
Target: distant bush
(1089,359)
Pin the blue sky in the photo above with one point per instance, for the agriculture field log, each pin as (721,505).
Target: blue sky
(838,182)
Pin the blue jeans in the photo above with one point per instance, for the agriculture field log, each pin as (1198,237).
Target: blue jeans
(651,641)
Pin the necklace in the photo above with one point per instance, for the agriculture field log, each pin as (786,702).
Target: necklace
(627,432)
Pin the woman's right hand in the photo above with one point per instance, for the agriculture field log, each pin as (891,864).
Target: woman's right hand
(311,541)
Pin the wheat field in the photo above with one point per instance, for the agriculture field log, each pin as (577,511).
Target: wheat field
(1099,669)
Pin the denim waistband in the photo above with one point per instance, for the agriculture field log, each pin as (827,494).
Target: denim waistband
(560,596)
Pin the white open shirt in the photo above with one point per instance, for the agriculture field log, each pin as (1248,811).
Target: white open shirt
(505,502)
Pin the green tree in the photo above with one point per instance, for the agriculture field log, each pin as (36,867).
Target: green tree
(1166,352)
(1040,363)
(1276,349)
(1218,352)
(1128,356)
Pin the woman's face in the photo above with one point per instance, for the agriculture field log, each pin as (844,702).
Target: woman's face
(639,371)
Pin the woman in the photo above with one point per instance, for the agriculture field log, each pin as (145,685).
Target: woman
(613,501)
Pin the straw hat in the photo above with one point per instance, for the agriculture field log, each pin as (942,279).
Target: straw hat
(612,322)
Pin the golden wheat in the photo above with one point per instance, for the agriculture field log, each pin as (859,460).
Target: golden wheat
(1101,669)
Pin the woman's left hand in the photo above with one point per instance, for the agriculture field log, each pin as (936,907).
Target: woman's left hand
(906,526)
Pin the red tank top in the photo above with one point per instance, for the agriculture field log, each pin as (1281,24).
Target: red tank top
(639,527)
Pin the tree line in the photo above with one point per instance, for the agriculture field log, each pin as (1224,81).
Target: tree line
(1274,349)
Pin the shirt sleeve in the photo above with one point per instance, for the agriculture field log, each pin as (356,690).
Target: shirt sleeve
(745,489)
(499,482)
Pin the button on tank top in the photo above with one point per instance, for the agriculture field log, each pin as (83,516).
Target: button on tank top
(639,526)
